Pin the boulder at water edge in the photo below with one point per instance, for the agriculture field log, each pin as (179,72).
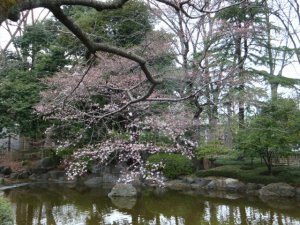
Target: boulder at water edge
(278,190)
(226,184)
(123,190)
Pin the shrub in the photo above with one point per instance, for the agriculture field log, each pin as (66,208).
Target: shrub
(6,214)
(174,164)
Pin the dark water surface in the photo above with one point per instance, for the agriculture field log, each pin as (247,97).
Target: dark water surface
(56,205)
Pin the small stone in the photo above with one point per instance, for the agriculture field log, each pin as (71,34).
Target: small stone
(234,185)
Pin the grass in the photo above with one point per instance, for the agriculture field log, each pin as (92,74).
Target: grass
(6,214)
(254,173)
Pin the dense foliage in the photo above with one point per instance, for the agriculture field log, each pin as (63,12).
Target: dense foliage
(173,165)
(273,133)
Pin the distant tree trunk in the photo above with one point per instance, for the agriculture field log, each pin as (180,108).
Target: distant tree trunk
(268,159)
(9,143)
(271,64)
(228,127)
(213,123)
(241,85)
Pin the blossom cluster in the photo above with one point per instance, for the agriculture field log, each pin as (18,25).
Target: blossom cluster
(130,155)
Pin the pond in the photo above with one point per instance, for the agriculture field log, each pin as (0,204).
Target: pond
(58,205)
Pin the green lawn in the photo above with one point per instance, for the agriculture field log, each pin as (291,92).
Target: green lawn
(255,173)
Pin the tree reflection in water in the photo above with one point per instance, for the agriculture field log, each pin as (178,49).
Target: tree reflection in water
(63,206)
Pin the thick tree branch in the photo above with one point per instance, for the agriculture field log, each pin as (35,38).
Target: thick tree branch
(13,12)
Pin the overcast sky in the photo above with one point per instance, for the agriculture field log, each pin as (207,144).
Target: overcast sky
(4,35)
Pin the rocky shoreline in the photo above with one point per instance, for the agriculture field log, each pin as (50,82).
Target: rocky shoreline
(228,187)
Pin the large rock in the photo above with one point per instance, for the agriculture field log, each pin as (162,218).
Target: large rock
(278,190)
(178,185)
(188,179)
(226,184)
(94,182)
(213,185)
(234,185)
(123,190)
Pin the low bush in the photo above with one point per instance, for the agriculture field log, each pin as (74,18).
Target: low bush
(174,164)
(6,213)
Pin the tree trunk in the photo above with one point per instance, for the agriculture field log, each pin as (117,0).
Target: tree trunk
(241,85)
(268,159)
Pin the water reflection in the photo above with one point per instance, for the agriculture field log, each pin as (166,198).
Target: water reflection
(63,206)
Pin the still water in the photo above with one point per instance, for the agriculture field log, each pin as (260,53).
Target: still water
(56,205)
